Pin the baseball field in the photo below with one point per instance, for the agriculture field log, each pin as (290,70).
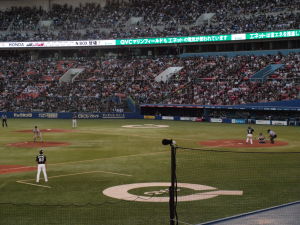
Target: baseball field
(117,172)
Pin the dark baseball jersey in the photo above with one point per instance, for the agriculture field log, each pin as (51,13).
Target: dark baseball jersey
(250,130)
(41,159)
(261,139)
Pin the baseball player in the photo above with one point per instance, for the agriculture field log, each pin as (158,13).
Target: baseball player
(4,120)
(261,139)
(250,131)
(74,120)
(41,166)
(37,134)
(272,136)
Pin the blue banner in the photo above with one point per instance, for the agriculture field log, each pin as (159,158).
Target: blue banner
(238,121)
(68,115)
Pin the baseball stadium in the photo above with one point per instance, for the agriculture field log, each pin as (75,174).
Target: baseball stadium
(139,112)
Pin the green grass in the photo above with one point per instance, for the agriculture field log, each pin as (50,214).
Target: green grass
(75,196)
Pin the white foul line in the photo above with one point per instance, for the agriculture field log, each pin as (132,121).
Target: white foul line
(73,174)
(22,182)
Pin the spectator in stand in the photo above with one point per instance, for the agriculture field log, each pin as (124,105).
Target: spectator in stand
(156,19)
(104,84)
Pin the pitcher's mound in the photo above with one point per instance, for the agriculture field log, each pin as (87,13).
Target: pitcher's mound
(240,144)
(47,130)
(31,144)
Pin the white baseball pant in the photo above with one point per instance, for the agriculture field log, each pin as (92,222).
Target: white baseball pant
(41,167)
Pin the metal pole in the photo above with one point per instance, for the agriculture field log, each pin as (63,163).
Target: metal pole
(172,187)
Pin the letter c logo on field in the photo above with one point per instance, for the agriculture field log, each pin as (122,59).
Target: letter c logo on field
(121,192)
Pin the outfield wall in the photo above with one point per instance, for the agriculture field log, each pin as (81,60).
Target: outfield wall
(282,113)
(69,115)
(223,120)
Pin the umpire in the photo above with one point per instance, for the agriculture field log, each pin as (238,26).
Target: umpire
(4,120)
(272,136)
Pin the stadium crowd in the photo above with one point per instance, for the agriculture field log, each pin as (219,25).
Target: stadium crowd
(105,85)
(158,18)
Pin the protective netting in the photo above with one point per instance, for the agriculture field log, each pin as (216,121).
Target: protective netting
(212,184)
(120,213)
(226,183)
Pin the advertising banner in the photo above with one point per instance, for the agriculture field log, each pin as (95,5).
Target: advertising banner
(240,121)
(263,122)
(57,44)
(149,117)
(167,117)
(153,41)
(48,115)
(279,122)
(215,120)
(188,118)
(68,115)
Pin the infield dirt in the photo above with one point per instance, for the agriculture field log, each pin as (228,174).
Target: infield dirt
(241,144)
(31,144)
(4,169)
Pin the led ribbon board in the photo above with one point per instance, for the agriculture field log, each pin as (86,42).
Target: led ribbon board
(57,44)
(209,38)
(153,41)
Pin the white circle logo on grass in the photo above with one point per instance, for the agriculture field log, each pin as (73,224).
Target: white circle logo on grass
(205,192)
(145,126)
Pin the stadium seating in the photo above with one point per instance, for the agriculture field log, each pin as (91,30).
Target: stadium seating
(215,80)
(105,84)
(156,19)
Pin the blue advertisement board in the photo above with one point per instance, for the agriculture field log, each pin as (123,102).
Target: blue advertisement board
(68,115)
(240,121)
